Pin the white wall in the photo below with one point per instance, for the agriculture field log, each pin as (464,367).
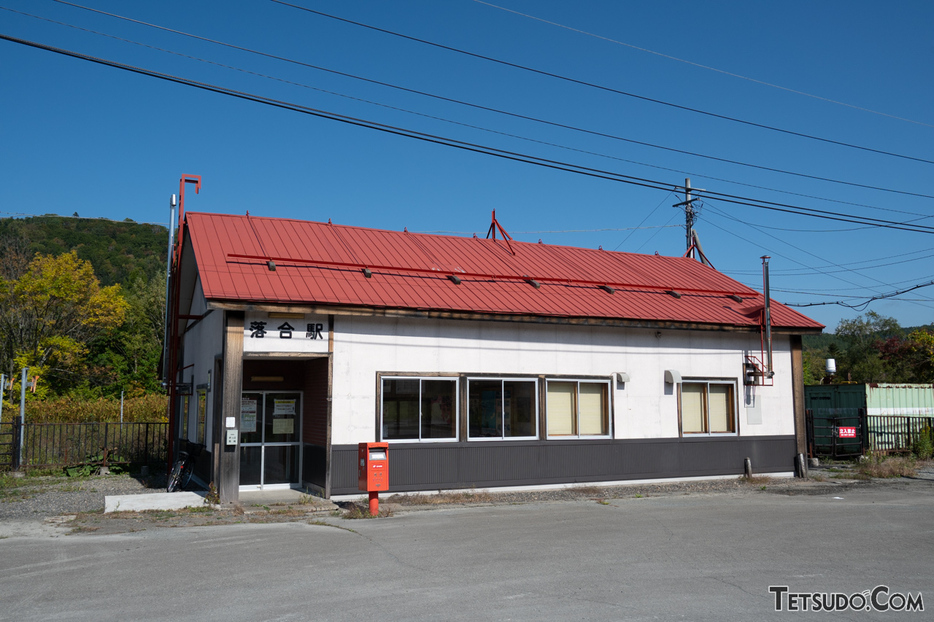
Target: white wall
(645,407)
(202,343)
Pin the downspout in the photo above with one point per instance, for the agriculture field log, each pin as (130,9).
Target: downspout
(767,318)
(168,279)
(172,377)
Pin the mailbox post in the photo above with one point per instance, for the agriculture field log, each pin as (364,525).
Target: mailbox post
(373,471)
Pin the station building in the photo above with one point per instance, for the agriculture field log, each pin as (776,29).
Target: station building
(482,362)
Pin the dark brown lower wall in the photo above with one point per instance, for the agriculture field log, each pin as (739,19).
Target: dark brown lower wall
(434,466)
(314,458)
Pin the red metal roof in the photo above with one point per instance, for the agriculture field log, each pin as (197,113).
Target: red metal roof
(322,264)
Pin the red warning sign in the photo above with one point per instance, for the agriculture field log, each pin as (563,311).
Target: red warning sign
(847,432)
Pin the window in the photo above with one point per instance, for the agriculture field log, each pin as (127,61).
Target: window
(419,409)
(502,408)
(184,412)
(576,408)
(707,408)
(202,413)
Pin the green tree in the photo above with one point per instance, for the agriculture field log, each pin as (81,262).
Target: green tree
(910,358)
(50,313)
(127,357)
(861,360)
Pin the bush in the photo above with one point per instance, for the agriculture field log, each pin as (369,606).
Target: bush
(923,445)
(151,407)
(875,465)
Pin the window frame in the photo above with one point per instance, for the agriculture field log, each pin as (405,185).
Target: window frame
(608,407)
(536,397)
(731,383)
(421,378)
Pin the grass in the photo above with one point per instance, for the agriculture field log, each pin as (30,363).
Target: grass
(355,510)
(886,466)
(443,498)
(756,480)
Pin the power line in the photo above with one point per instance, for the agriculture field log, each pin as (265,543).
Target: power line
(444,232)
(854,263)
(863,305)
(606,88)
(646,218)
(489,109)
(707,67)
(817,269)
(783,256)
(477,148)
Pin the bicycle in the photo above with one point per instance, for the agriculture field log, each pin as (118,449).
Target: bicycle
(181,472)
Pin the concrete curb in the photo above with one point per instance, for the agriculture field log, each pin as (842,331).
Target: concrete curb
(154,501)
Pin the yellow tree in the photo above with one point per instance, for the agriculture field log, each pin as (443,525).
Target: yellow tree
(51,312)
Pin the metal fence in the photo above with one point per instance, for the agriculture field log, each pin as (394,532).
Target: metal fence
(8,446)
(48,445)
(889,434)
(849,432)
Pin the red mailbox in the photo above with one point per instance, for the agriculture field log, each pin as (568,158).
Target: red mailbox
(373,471)
(373,466)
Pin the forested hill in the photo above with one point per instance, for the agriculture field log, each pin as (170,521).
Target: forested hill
(119,251)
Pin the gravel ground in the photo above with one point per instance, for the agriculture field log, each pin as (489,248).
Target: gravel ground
(47,496)
(55,506)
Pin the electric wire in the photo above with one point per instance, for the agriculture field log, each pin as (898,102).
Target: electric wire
(799,249)
(539,232)
(826,272)
(707,67)
(646,218)
(606,88)
(489,109)
(824,290)
(854,263)
(651,237)
(476,148)
(865,304)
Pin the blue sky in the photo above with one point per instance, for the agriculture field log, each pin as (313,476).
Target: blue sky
(80,137)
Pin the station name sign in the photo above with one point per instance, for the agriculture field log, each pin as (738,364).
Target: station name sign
(284,332)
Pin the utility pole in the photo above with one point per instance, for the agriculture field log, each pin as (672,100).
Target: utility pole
(689,218)
(689,214)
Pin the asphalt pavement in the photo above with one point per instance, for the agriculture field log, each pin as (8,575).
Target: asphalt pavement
(691,557)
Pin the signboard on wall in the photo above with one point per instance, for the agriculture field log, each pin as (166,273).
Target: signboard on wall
(284,332)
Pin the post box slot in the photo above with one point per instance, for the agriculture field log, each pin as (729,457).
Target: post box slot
(377,454)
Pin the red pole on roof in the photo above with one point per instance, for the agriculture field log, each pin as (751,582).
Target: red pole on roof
(494,226)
